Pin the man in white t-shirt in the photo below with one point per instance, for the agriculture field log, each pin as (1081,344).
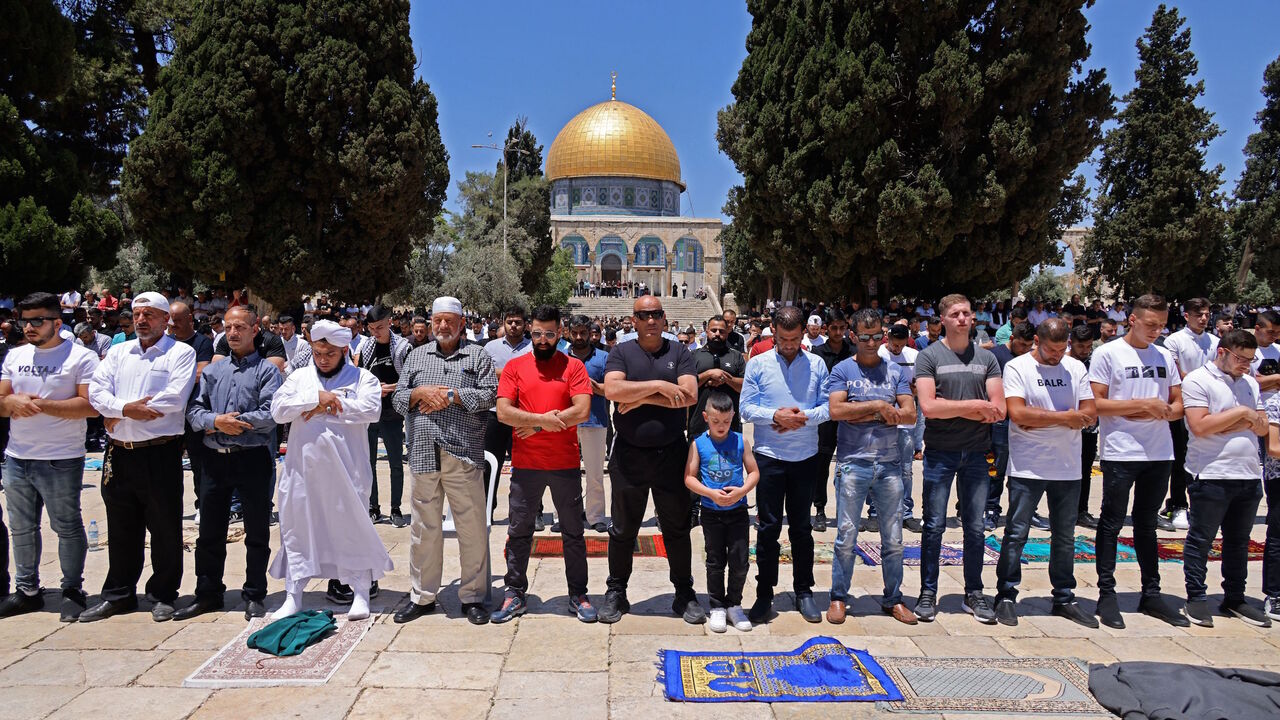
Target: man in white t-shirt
(1192,347)
(812,333)
(68,303)
(1266,362)
(1050,401)
(1223,412)
(910,435)
(45,390)
(1137,390)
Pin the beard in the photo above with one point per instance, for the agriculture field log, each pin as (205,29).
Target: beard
(541,353)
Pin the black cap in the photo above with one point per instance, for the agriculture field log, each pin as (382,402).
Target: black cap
(899,332)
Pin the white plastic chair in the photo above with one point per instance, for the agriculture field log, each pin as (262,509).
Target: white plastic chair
(495,469)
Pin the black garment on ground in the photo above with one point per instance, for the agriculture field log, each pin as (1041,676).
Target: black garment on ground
(650,426)
(1170,691)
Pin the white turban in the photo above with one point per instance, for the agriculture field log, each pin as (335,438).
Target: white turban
(446,304)
(331,332)
(152,300)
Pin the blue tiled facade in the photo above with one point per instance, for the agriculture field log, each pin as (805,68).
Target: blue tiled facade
(614,196)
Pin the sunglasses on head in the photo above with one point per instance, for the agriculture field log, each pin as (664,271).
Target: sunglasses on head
(35,322)
(650,314)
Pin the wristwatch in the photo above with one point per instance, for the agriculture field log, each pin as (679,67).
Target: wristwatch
(449,396)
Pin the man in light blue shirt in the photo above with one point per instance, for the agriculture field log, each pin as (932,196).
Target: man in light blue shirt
(784,395)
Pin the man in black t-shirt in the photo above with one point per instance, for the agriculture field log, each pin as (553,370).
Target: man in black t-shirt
(383,356)
(652,382)
(719,367)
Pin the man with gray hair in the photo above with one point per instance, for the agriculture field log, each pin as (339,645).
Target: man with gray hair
(90,338)
(446,388)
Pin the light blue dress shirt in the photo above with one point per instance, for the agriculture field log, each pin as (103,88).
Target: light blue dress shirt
(772,383)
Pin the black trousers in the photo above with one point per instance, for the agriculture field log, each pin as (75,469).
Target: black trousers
(726,535)
(1149,481)
(1271,555)
(250,473)
(497,440)
(1088,453)
(1232,506)
(1178,477)
(196,452)
(821,470)
(634,472)
(527,487)
(784,487)
(142,492)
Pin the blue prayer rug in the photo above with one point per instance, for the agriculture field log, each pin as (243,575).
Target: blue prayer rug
(821,670)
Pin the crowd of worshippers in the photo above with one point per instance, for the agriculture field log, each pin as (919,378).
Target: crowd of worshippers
(1186,419)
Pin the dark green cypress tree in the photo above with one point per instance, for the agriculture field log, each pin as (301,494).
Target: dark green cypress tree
(1159,223)
(1256,215)
(930,145)
(290,149)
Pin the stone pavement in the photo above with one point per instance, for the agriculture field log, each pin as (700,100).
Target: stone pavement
(547,663)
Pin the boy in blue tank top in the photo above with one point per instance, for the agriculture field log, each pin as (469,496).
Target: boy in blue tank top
(722,470)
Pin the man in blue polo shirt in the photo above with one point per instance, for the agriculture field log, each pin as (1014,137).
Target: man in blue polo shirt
(591,434)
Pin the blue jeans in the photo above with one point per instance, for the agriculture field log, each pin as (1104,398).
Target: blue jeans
(907,456)
(1024,496)
(32,485)
(1000,449)
(969,469)
(858,478)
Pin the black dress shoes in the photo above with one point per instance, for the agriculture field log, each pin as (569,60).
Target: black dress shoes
(477,613)
(254,609)
(412,611)
(198,607)
(106,609)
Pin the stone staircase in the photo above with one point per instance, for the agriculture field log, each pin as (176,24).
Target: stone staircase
(686,311)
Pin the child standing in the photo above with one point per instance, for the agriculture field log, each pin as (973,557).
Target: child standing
(722,470)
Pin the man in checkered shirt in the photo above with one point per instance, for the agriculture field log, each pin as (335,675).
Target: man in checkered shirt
(446,389)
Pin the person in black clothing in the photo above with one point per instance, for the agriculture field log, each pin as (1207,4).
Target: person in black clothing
(384,357)
(832,352)
(735,339)
(652,380)
(1082,349)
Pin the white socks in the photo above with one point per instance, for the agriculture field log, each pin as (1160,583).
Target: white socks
(360,604)
(292,601)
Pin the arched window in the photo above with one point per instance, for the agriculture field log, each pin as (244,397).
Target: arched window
(688,255)
(578,246)
(650,252)
(611,245)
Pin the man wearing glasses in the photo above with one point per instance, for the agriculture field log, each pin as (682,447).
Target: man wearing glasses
(126,332)
(1221,402)
(652,381)
(45,391)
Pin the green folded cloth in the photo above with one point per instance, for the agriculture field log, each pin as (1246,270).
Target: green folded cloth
(291,635)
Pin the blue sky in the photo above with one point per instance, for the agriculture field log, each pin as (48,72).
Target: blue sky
(490,62)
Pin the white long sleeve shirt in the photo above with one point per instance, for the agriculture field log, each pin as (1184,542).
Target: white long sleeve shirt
(165,371)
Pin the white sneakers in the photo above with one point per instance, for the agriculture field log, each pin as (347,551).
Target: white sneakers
(717,620)
(1180,519)
(721,619)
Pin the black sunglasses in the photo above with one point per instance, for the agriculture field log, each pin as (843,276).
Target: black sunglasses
(34,322)
(866,338)
(650,314)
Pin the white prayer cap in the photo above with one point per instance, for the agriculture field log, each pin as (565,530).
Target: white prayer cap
(151,300)
(815,320)
(446,304)
(331,332)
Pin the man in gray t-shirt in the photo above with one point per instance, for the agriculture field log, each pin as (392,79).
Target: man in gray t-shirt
(961,394)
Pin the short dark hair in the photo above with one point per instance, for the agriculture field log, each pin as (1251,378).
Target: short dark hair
(418,319)
(41,301)
(1052,330)
(515,310)
(719,401)
(1271,317)
(1220,316)
(866,317)
(835,315)
(788,318)
(1108,321)
(719,319)
(933,320)
(285,319)
(546,313)
(1023,331)
(579,320)
(1198,304)
(1238,340)
(1154,303)
(611,334)
(1081,334)
(1018,313)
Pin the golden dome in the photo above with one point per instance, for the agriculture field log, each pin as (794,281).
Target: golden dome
(613,139)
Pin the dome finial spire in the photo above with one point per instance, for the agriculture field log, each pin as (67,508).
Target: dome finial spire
(613,85)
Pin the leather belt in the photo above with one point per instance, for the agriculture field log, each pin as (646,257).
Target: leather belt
(236,448)
(133,445)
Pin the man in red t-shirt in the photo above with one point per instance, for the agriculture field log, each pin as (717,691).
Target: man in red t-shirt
(542,395)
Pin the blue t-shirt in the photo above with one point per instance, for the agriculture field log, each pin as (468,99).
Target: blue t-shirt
(870,440)
(721,466)
(595,370)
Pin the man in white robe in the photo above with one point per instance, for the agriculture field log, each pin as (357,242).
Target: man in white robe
(325,530)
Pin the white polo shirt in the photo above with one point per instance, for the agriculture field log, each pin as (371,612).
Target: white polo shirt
(1223,456)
